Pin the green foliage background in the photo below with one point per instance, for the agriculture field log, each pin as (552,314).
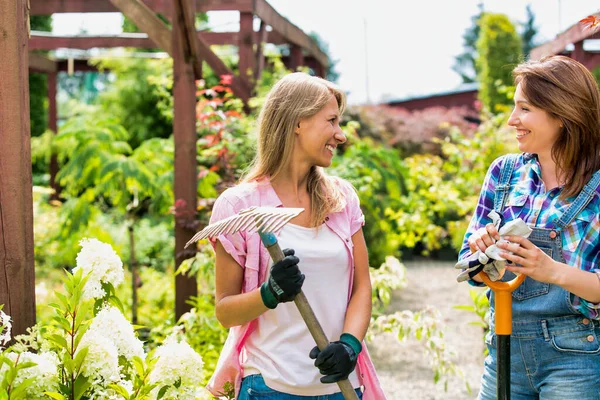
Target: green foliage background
(499,51)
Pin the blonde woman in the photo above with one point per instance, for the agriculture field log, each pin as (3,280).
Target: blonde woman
(270,353)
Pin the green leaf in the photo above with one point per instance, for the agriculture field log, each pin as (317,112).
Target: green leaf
(120,390)
(138,364)
(55,396)
(80,386)
(18,393)
(162,392)
(60,341)
(80,357)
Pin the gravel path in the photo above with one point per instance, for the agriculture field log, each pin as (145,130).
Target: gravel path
(402,367)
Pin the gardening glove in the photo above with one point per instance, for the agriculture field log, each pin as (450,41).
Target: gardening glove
(338,359)
(285,281)
(491,262)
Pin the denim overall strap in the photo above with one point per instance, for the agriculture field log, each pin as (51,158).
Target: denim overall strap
(503,187)
(583,199)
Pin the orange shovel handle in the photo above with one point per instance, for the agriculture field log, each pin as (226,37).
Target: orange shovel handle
(503,291)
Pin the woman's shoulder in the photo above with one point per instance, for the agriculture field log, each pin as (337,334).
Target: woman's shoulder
(240,196)
(342,184)
(500,162)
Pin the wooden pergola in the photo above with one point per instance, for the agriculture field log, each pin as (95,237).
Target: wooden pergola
(189,50)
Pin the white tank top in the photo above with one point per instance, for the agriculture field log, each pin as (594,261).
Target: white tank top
(279,346)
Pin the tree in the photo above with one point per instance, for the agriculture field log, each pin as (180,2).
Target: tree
(499,49)
(464,63)
(104,175)
(331,74)
(529,31)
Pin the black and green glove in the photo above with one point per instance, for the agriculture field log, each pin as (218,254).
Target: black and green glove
(338,359)
(285,281)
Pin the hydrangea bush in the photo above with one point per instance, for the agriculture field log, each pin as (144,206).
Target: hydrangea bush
(90,350)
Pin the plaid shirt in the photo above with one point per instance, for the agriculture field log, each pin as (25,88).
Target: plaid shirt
(539,208)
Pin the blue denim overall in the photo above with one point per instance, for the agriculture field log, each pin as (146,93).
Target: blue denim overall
(555,350)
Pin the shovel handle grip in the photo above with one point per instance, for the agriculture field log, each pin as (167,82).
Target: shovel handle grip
(307,314)
(503,291)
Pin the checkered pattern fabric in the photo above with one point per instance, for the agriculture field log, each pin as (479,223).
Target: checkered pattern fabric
(529,200)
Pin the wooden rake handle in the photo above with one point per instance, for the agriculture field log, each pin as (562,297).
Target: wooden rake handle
(307,313)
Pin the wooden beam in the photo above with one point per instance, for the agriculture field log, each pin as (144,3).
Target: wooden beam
(239,85)
(157,30)
(47,7)
(246,46)
(184,130)
(574,34)
(147,21)
(17,277)
(289,31)
(296,57)
(53,126)
(45,41)
(186,14)
(39,63)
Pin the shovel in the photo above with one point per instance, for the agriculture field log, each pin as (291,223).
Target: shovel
(503,330)
(267,220)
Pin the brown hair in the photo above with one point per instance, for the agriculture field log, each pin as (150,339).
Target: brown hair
(295,97)
(569,92)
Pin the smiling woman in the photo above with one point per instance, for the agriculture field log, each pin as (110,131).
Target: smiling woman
(269,352)
(554,186)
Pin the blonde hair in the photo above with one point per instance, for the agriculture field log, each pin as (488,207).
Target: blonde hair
(295,97)
(568,91)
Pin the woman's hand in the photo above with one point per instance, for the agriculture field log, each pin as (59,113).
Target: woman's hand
(530,260)
(483,238)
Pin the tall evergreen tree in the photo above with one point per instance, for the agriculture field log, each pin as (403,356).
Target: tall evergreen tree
(499,50)
(529,31)
(464,63)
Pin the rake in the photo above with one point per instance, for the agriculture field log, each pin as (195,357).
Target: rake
(267,220)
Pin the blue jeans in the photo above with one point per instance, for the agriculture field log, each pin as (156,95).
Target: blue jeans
(554,359)
(254,387)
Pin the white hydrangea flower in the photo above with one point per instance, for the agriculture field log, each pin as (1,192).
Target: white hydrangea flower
(44,374)
(101,364)
(5,328)
(177,361)
(103,265)
(112,324)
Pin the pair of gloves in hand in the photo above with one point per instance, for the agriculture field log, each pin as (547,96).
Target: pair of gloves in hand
(490,261)
(338,359)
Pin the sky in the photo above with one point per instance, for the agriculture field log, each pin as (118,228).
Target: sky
(385,48)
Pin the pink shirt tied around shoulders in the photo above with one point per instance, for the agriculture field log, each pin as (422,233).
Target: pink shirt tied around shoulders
(249,252)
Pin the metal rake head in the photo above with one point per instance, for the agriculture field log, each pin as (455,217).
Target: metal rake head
(262,219)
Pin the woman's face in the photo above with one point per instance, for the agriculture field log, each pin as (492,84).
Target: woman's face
(318,136)
(537,130)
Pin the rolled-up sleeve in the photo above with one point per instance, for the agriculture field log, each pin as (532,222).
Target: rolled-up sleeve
(234,244)
(357,218)
(485,204)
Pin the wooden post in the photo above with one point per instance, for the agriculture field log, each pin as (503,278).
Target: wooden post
(53,126)
(578,53)
(184,128)
(17,277)
(260,57)
(296,57)
(245,47)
